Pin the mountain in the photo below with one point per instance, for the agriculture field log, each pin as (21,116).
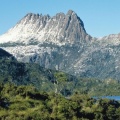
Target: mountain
(18,73)
(62,43)
(60,29)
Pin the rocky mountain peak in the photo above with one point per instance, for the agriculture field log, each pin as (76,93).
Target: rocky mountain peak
(72,15)
(33,18)
(70,12)
(72,20)
(59,29)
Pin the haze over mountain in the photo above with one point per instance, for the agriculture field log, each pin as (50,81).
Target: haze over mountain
(61,42)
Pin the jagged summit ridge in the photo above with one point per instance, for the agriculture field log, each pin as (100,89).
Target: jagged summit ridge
(59,29)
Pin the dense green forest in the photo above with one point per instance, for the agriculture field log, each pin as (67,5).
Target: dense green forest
(27,103)
(47,80)
(31,92)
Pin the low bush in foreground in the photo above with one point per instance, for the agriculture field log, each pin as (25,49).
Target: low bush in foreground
(27,103)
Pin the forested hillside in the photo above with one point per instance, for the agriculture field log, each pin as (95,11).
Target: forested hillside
(48,80)
(27,103)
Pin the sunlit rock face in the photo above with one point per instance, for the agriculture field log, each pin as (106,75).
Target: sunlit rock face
(60,29)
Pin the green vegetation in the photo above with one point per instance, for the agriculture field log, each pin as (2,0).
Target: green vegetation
(13,44)
(27,103)
(30,92)
(95,87)
(43,79)
(48,80)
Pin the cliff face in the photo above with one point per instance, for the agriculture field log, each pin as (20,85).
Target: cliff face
(61,42)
